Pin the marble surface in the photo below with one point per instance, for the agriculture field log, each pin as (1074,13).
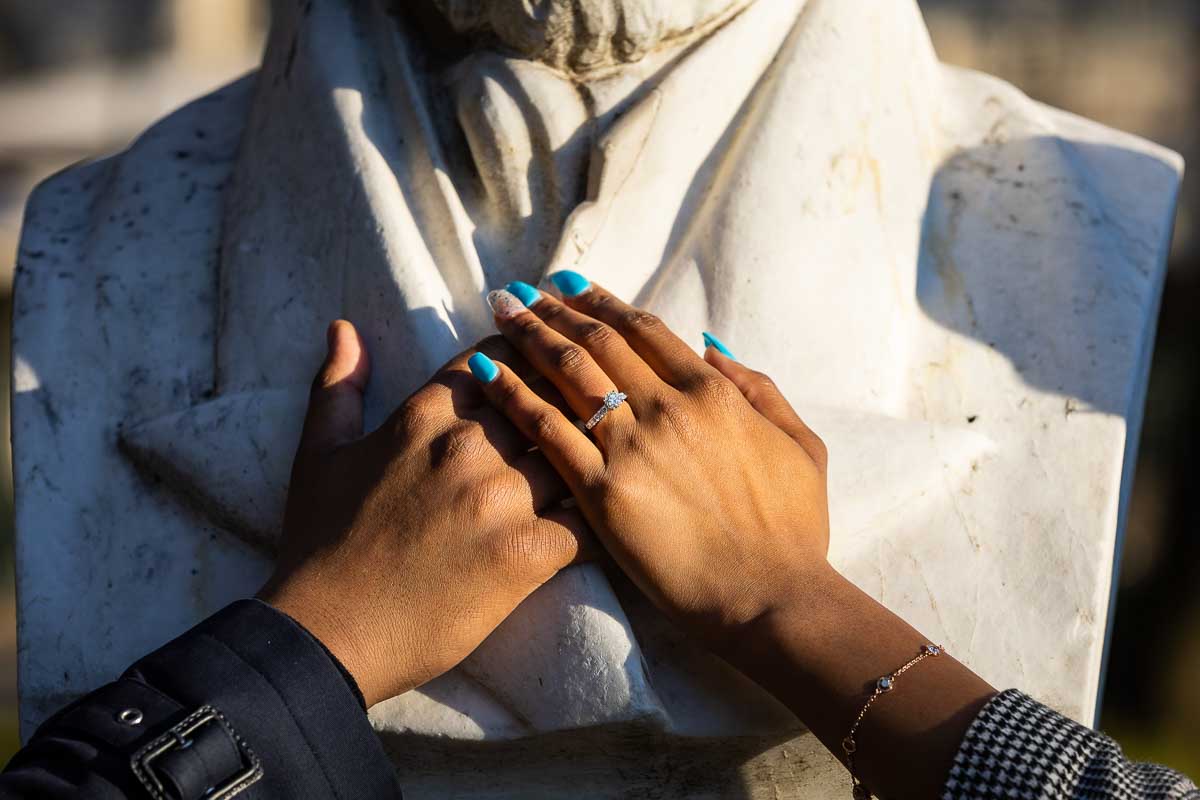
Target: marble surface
(957,286)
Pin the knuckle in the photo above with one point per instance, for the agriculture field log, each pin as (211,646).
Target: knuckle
(528,324)
(595,335)
(596,301)
(635,320)
(681,416)
(714,389)
(410,417)
(668,406)
(818,450)
(570,359)
(765,381)
(760,386)
(550,311)
(507,394)
(460,445)
(544,424)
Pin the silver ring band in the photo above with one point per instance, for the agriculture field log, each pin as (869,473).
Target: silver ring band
(612,401)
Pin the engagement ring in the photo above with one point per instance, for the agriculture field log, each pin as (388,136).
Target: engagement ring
(611,400)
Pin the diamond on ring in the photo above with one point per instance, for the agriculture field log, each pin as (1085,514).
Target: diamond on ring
(612,401)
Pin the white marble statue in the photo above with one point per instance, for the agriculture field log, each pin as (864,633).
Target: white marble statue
(956,285)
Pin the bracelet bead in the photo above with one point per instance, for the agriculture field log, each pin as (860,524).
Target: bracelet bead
(883,685)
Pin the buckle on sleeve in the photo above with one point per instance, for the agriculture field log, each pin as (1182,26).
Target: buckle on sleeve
(181,737)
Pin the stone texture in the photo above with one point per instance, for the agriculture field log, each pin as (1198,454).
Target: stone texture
(956,285)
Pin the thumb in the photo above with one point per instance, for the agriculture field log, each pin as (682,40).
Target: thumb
(567,539)
(335,405)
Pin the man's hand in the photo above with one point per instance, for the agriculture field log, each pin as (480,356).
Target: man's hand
(402,550)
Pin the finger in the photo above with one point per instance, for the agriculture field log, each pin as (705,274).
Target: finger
(610,350)
(566,535)
(546,487)
(574,456)
(452,394)
(762,393)
(647,335)
(564,363)
(497,348)
(452,384)
(335,404)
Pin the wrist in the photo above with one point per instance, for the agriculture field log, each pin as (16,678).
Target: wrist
(332,631)
(801,607)
(820,650)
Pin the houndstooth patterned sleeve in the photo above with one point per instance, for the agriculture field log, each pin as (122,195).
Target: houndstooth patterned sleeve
(1018,748)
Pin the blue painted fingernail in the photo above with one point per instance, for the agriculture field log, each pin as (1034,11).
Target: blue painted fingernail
(570,283)
(524,292)
(483,367)
(713,341)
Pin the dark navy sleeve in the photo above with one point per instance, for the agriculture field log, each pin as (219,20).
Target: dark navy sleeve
(247,704)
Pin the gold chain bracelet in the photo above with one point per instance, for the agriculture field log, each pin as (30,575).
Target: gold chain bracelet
(882,686)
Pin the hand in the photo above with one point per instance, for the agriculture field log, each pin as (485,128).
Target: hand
(706,487)
(709,491)
(402,550)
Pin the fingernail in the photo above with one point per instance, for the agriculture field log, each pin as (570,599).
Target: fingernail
(483,367)
(570,283)
(713,341)
(524,292)
(505,305)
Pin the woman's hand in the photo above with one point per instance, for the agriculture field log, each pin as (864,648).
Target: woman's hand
(402,550)
(710,493)
(706,487)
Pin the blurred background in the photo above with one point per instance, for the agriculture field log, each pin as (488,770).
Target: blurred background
(80,78)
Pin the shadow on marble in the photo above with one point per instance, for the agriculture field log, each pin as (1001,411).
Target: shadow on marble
(1049,281)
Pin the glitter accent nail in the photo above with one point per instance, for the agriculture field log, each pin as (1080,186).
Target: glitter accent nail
(505,305)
